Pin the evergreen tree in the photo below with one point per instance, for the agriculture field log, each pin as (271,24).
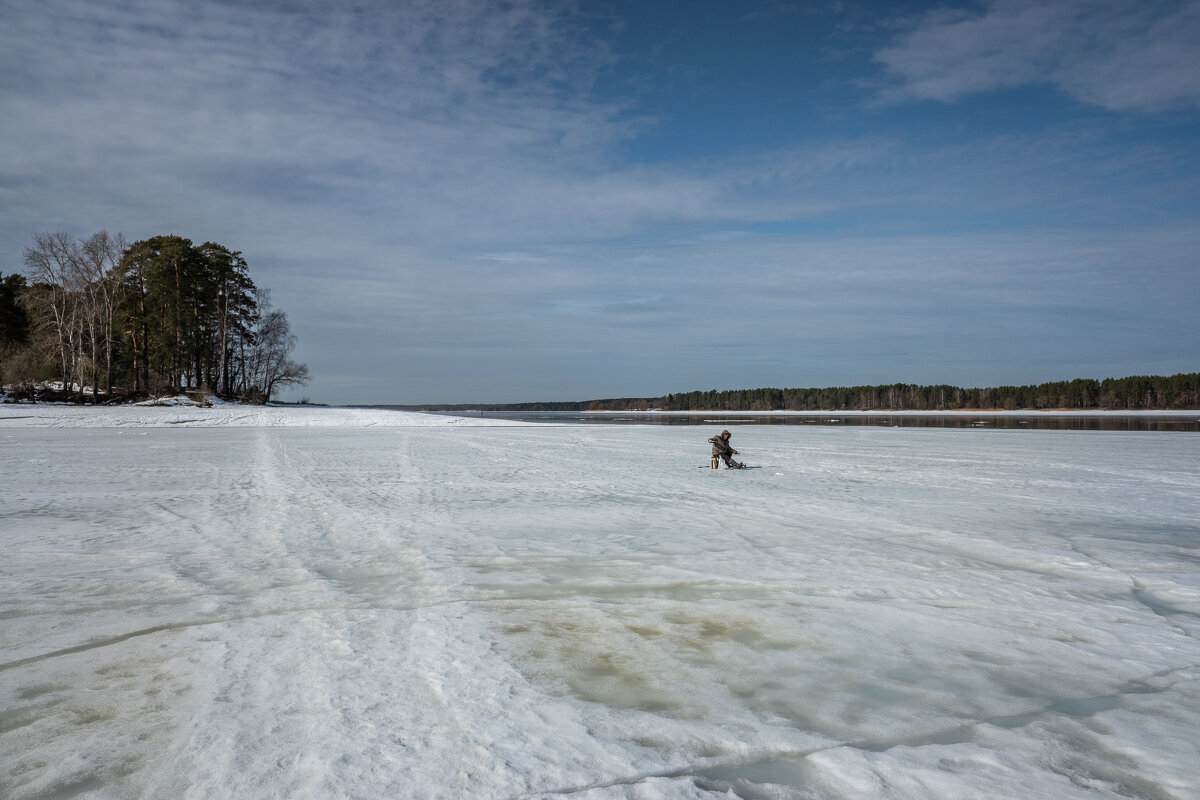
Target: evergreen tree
(234,312)
(14,320)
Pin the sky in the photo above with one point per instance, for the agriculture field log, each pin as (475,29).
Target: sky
(460,201)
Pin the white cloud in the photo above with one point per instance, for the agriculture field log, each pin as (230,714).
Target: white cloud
(421,114)
(448,125)
(1123,55)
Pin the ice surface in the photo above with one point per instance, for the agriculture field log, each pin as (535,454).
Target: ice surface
(334,606)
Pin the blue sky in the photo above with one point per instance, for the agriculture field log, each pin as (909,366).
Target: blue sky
(486,202)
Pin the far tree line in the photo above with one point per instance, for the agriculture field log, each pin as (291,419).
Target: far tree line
(161,315)
(1140,392)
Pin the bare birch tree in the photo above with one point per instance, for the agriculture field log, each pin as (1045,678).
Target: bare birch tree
(54,266)
(270,367)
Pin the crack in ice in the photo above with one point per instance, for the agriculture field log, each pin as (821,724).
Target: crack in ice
(955,734)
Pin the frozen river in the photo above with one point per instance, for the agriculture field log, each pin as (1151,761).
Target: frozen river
(442,611)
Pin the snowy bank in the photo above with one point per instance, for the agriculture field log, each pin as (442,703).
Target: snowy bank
(160,414)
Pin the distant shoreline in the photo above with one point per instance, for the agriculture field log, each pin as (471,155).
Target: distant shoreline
(994,412)
(955,412)
(1184,421)
(1180,392)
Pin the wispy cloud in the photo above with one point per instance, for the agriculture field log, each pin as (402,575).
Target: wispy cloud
(437,124)
(400,110)
(1123,55)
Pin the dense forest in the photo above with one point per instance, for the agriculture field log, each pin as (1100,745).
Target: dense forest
(1138,392)
(1142,392)
(105,319)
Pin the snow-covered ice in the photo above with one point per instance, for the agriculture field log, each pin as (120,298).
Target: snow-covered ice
(322,603)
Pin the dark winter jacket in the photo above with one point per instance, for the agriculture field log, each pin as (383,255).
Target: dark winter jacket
(721,445)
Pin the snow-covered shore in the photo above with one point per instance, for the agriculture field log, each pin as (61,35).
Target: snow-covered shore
(221,415)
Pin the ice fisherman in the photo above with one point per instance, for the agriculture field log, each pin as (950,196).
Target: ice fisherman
(722,448)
